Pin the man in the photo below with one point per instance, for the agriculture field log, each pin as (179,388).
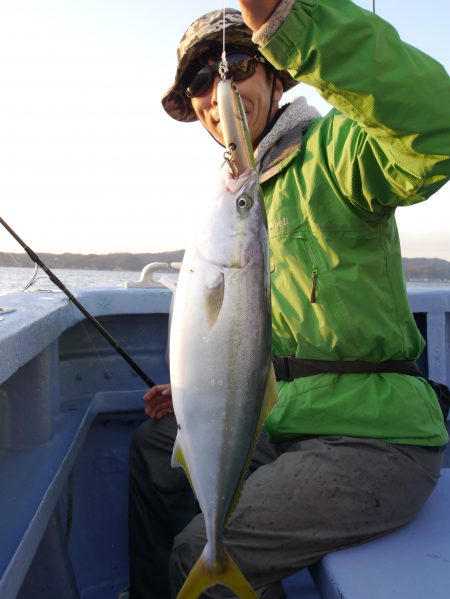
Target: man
(353,447)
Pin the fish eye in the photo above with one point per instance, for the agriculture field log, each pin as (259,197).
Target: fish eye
(244,203)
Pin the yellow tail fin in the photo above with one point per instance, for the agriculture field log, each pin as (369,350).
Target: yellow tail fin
(227,573)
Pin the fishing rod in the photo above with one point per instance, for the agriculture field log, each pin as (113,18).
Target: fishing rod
(54,279)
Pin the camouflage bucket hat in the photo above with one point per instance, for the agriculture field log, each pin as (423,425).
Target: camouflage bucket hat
(203,35)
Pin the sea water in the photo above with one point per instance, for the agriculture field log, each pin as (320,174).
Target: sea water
(13,279)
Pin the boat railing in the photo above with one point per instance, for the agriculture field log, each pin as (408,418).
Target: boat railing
(431,308)
(157,274)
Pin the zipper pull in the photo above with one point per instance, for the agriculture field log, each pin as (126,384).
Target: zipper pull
(314,285)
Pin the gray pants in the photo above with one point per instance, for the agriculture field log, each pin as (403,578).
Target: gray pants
(303,499)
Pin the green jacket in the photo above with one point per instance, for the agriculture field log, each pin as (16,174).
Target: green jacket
(330,210)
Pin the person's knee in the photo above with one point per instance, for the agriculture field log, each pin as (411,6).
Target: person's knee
(150,452)
(154,435)
(142,434)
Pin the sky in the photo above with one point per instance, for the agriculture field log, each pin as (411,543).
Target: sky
(90,162)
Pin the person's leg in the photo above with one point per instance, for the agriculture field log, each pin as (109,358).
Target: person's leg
(319,495)
(161,504)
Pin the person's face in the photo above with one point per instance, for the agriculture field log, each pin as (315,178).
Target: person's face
(255,93)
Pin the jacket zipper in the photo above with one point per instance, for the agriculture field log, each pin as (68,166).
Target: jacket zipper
(314,272)
(314,285)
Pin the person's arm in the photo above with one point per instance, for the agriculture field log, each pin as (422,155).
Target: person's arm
(397,151)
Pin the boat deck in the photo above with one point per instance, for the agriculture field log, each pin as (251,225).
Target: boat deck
(68,407)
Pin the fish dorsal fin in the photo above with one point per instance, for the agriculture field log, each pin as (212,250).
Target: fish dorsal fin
(269,400)
(214,294)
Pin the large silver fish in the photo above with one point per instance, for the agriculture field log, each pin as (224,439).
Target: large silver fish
(223,384)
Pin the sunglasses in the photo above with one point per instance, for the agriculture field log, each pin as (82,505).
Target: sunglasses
(240,67)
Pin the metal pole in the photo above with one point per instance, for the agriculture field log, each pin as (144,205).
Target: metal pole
(80,307)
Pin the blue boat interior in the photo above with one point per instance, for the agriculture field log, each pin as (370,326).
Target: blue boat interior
(68,407)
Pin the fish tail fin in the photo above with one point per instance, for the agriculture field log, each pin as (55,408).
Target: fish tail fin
(233,578)
(202,577)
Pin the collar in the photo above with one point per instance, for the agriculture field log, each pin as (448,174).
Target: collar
(284,137)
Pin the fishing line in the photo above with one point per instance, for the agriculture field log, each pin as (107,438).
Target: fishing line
(223,67)
(20,265)
(33,278)
(223,32)
(54,279)
(108,374)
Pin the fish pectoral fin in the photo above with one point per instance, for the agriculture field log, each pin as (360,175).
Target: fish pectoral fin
(227,573)
(214,293)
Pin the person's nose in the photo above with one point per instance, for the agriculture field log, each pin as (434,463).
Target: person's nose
(214,91)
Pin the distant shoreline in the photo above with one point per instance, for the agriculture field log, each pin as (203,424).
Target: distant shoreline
(115,262)
(416,270)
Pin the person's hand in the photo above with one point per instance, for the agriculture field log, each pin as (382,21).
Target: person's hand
(158,401)
(256,12)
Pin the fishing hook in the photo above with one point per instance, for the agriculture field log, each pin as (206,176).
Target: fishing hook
(228,157)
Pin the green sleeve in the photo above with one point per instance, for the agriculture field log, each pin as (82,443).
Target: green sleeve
(388,143)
